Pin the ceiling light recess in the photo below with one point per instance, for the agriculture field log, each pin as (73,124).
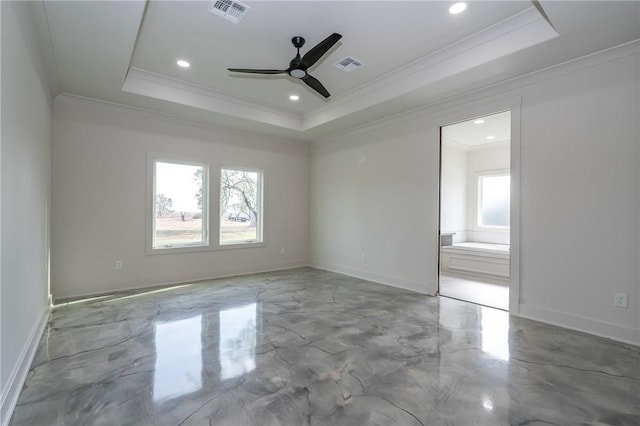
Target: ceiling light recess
(231,10)
(457,8)
(490,137)
(348,64)
(294,97)
(182,63)
(478,121)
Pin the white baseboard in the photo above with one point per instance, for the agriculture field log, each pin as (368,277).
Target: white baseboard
(220,273)
(10,394)
(616,332)
(628,335)
(422,287)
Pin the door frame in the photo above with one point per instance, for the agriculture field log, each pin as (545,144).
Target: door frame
(469,112)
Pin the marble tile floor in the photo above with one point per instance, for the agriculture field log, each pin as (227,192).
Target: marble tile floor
(306,346)
(475,291)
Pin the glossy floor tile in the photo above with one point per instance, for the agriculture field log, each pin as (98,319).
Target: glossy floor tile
(475,291)
(305,347)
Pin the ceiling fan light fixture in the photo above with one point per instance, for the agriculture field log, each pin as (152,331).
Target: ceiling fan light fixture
(457,8)
(297,73)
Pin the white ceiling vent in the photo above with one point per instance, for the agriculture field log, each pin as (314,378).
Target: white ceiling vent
(230,10)
(348,64)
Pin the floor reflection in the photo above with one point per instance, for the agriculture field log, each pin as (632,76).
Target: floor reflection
(334,350)
(178,369)
(487,403)
(237,341)
(495,332)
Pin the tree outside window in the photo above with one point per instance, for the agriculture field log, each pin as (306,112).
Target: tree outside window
(178,219)
(240,206)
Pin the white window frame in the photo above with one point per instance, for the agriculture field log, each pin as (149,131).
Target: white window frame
(259,241)
(478,176)
(211,210)
(153,159)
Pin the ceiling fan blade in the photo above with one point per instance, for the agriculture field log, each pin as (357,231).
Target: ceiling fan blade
(250,71)
(313,55)
(315,85)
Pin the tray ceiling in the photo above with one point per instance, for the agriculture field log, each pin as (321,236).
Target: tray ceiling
(126,53)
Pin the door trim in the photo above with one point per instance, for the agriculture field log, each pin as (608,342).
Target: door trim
(465,113)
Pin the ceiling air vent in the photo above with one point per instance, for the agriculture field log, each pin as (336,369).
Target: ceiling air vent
(230,10)
(348,64)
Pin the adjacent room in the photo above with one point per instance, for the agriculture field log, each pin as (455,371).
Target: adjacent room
(242,212)
(475,210)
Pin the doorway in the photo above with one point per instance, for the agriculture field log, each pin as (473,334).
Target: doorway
(475,206)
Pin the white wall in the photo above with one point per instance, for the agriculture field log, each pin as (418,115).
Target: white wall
(371,210)
(99,212)
(25,192)
(454,190)
(580,189)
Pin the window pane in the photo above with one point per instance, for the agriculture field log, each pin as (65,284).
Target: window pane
(240,206)
(494,200)
(179,198)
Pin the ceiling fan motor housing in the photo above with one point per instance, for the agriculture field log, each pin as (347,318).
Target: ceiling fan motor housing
(298,42)
(295,70)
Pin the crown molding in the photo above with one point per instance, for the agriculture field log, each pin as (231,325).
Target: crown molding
(520,31)
(146,83)
(174,118)
(497,89)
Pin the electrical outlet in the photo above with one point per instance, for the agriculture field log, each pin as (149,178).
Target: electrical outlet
(119,264)
(620,300)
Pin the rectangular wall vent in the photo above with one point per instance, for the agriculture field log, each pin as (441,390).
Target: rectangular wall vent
(231,10)
(348,64)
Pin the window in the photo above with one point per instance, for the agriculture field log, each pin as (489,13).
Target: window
(240,206)
(180,204)
(493,206)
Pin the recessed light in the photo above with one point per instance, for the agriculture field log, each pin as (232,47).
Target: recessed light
(294,97)
(480,121)
(457,8)
(490,137)
(182,63)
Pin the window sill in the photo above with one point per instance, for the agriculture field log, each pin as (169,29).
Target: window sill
(199,249)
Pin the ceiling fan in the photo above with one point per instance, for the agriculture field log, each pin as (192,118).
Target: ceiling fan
(299,65)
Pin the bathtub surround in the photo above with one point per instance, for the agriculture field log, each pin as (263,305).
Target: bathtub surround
(314,347)
(476,261)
